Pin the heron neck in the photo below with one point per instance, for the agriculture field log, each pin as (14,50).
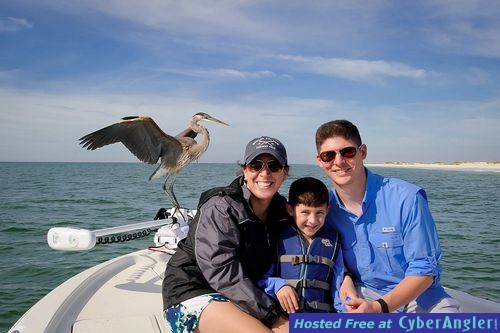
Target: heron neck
(203,131)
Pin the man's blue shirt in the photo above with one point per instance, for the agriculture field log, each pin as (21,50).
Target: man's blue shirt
(395,236)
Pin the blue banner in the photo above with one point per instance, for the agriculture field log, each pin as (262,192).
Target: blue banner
(394,323)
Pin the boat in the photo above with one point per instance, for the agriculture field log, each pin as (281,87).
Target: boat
(124,294)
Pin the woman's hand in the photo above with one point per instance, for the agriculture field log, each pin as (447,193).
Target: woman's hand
(288,298)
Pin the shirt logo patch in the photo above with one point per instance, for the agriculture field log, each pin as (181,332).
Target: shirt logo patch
(388,229)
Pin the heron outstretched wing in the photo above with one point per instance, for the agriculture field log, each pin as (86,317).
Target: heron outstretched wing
(141,135)
(188,132)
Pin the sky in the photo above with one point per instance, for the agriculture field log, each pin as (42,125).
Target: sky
(418,78)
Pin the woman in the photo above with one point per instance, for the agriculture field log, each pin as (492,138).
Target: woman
(210,282)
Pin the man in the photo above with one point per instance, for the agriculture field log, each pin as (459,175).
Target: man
(389,238)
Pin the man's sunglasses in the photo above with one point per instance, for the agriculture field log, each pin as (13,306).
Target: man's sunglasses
(257,165)
(347,152)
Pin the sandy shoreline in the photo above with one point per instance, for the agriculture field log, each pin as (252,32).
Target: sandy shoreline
(476,166)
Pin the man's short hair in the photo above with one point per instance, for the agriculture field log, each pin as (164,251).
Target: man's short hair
(343,128)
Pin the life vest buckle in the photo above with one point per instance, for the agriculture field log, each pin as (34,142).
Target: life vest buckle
(313,304)
(299,259)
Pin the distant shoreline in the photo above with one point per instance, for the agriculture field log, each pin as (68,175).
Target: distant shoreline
(477,166)
(493,166)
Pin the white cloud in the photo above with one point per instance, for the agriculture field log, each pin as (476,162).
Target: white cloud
(233,73)
(354,69)
(477,76)
(445,131)
(269,23)
(462,26)
(8,75)
(41,126)
(182,18)
(469,38)
(465,27)
(11,24)
(224,73)
(222,48)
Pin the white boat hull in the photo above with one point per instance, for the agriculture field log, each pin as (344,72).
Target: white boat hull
(120,295)
(124,295)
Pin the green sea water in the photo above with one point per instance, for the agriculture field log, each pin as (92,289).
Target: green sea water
(37,196)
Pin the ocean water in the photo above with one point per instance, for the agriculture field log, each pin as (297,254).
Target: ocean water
(37,196)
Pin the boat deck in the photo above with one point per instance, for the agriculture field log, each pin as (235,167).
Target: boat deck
(121,295)
(124,295)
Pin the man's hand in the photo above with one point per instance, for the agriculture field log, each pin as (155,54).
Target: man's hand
(348,291)
(360,305)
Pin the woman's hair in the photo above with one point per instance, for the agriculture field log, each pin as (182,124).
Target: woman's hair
(343,128)
(308,191)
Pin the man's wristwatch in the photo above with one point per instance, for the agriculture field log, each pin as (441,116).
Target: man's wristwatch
(383,305)
(271,317)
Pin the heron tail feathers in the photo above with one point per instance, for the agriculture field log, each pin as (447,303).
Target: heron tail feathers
(159,172)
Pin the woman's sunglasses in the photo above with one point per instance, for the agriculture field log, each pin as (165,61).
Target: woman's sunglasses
(347,152)
(257,165)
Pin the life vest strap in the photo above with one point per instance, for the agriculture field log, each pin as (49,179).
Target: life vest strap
(319,306)
(296,259)
(306,283)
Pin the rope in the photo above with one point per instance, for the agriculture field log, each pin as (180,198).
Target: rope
(124,237)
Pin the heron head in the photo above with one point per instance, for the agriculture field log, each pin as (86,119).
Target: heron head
(203,116)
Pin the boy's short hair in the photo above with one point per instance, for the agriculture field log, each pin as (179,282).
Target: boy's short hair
(343,128)
(308,191)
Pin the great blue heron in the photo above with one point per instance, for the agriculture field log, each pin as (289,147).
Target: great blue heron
(142,136)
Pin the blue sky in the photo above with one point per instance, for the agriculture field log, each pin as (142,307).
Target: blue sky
(418,78)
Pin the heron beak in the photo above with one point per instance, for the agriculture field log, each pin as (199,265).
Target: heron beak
(210,118)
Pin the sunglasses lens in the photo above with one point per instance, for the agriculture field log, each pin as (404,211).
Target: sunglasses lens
(327,156)
(349,152)
(255,166)
(274,166)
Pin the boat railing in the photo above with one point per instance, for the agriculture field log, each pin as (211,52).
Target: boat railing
(170,229)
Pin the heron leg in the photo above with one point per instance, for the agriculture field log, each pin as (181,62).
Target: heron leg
(168,187)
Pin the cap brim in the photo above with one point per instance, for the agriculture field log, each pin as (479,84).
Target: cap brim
(272,153)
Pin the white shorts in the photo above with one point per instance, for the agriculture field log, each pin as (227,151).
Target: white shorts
(184,317)
(445,305)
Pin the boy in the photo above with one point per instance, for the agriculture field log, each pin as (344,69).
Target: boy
(309,270)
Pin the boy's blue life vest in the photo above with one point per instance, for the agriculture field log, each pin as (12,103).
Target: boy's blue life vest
(309,269)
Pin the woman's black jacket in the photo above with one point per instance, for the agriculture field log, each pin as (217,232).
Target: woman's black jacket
(226,251)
